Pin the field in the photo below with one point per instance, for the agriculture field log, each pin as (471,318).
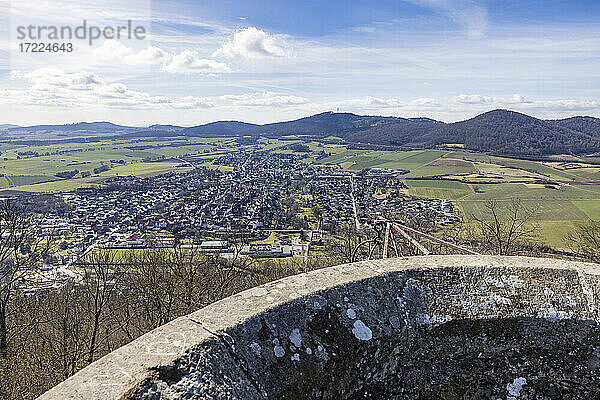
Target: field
(564,190)
(35,168)
(564,194)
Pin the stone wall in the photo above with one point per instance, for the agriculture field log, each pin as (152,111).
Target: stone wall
(449,327)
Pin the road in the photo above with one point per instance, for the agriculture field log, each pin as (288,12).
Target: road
(354,204)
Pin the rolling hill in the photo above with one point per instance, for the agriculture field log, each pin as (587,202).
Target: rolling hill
(587,125)
(512,133)
(499,132)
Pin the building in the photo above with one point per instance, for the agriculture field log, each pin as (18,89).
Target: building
(215,246)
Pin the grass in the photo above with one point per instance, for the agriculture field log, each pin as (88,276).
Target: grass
(271,239)
(29,179)
(554,233)
(401,160)
(63,185)
(562,210)
(147,168)
(591,208)
(438,189)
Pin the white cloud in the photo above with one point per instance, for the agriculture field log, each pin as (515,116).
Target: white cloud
(523,103)
(473,99)
(567,105)
(150,55)
(518,99)
(252,43)
(190,61)
(477,99)
(265,99)
(466,13)
(365,29)
(78,10)
(369,102)
(184,62)
(110,50)
(192,102)
(84,91)
(45,76)
(374,103)
(425,102)
(55,88)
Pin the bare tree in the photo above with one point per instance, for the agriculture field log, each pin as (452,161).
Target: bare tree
(21,251)
(67,329)
(191,268)
(232,273)
(152,281)
(101,281)
(585,240)
(503,226)
(349,246)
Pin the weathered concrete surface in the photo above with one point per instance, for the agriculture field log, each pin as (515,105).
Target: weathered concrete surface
(423,327)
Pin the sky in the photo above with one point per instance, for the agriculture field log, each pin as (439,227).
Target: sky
(270,60)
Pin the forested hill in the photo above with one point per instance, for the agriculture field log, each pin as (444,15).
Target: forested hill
(509,132)
(500,131)
(588,125)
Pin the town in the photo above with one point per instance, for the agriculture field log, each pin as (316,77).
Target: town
(262,204)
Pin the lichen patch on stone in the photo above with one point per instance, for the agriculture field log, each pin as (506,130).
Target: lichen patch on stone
(296,338)
(255,347)
(514,389)
(351,313)
(361,331)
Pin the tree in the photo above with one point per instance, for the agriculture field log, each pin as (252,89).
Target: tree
(585,240)
(21,251)
(101,281)
(152,280)
(503,226)
(349,246)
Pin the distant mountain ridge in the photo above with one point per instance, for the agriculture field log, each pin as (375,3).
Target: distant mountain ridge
(80,126)
(158,127)
(85,127)
(344,125)
(8,126)
(500,132)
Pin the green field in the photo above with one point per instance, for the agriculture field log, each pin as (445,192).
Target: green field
(35,168)
(591,208)
(63,185)
(471,179)
(438,189)
(546,210)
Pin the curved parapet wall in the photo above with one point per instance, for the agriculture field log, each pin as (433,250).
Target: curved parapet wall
(446,327)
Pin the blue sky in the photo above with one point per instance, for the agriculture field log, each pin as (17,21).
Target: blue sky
(264,61)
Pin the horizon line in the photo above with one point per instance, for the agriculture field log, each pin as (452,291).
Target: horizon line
(16,126)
